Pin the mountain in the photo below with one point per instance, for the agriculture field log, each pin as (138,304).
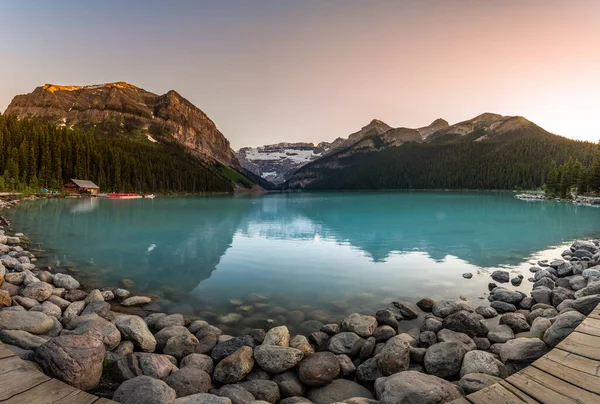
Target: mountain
(121,136)
(490,151)
(276,162)
(122,108)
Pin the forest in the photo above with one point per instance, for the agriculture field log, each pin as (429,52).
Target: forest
(36,155)
(520,162)
(574,177)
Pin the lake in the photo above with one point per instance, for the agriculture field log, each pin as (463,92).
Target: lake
(288,258)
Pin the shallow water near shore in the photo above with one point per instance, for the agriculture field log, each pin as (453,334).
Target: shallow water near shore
(242,260)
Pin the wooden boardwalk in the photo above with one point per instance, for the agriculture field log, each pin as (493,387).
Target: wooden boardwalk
(21,384)
(570,373)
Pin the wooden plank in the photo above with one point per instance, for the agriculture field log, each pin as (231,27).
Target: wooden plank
(549,389)
(46,393)
(5,352)
(575,361)
(589,326)
(496,394)
(12,363)
(582,344)
(19,380)
(80,397)
(522,396)
(104,401)
(459,401)
(580,379)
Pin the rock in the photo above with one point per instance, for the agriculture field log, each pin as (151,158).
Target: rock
(289,384)
(121,293)
(539,327)
(235,367)
(236,393)
(526,303)
(319,339)
(427,339)
(367,349)
(201,361)
(577,282)
(444,359)
(516,281)
(501,334)
(431,324)
(15,278)
(586,273)
(279,336)
(338,391)
(135,329)
(516,321)
(347,343)
(48,308)
(408,310)
(500,276)
(94,296)
(318,369)
(31,321)
(65,281)
(135,301)
(189,380)
(582,254)
(101,308)
(39,291)
(74,309)
(486,312)
(467,275)
(155,365)
(394,356)
(474,382)
(75,295)
(310,326)
(426,304)
(483,344)
(360,324)
(301,342)
(5,299)
(223,349)
(74,359)
(414,387)
(560,294)
(444,308)
(564,324)
(383,333)
(265,390)
(542,294)
(468,323)
(167,321)
(181,345)
(108,295)
(347,368)
(507,296)
(208,330)
(100,329)
(144,390)
(522,350)
(331,329)
(26,302)
(203,398)
(386,317)
(445,335)
(593,288)
(24,267)
(278,359)
(481,362)
(586,304)
(59,301)
(22,339)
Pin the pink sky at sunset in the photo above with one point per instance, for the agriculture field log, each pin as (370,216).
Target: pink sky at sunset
(272,71)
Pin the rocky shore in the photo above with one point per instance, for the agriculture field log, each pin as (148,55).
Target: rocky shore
(89,340)
(579,199)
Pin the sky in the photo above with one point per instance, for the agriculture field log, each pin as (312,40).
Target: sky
(267,71)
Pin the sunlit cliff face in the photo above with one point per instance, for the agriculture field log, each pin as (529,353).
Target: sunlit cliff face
(55,87)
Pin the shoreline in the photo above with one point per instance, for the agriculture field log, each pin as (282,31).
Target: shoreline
(336,358)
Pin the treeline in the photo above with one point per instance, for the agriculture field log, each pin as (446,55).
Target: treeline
(36,155)
(574,177)
(516,163)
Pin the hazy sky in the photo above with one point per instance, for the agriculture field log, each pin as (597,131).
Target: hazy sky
(305,70)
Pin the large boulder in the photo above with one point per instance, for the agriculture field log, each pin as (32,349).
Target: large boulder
(201,361)
(22,339)
(289,384)
(155,365)
(318,369)
(263,390)
(338,391)
(586,304)
(360,324)
(522,350)
(516,321)
(144,390)
(500,276)
(226,348)
(181,345)
(33,322)
(39,291)
(279,336)
(443,308)
(444,359)
(65,281)
(507,296)
(394,357)
(235,367)
(134,329)
(74,359)
(445,335)
(236,393)
(277,359)
(481,362)
(189,380)
(203,398)
(563,325)
(465,322)
(98,328)
(413,387)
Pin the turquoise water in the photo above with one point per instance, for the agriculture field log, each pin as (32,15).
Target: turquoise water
(322,254)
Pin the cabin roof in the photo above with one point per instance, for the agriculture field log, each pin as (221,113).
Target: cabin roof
(85,184)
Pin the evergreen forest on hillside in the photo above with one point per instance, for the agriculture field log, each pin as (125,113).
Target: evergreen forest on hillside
(36,155)
(515,163)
